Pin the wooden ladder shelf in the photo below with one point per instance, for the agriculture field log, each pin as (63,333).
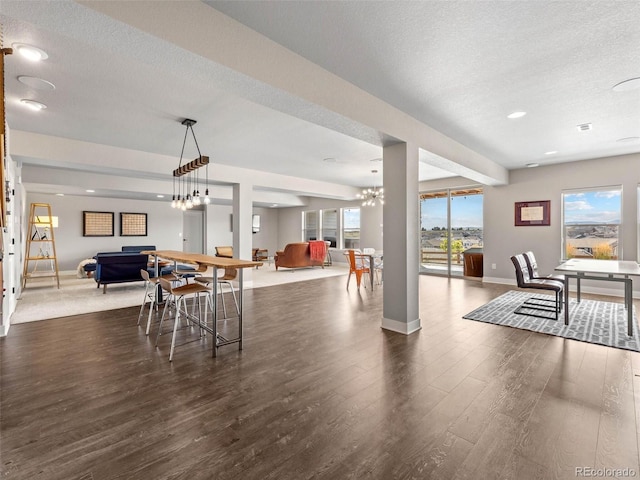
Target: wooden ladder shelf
(41,244)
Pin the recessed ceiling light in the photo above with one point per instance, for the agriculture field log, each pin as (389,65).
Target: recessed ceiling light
(59,194)
(631,84)
(532,165)
(551,152)
(33,105)
(90,191)
(628,139)
(516,115)
(329,160)
(160,196)
(30,52)
(37,83)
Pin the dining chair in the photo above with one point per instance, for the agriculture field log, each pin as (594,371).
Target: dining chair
(377,264)
(229,275)
(532,266)
(357,267)
(178,297)
(537,304)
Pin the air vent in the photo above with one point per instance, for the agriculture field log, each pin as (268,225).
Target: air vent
(583,127)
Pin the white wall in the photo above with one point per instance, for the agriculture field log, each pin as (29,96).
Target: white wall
(267,237)
(219,231)
(290,222)
(502,238)
(164,226)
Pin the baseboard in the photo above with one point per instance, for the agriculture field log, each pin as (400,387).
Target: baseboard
(4,330)
(584,288)
(406,328)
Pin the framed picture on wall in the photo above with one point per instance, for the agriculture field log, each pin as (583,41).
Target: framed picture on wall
(97,224)
(536,213)
(133,224)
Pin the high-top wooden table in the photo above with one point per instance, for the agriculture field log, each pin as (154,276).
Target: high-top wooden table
(215,262)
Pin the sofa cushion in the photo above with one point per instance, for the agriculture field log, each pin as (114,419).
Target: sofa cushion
(137,248)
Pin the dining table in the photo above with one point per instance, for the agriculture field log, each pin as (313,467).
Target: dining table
(215,262)
(603,270)
(371,258)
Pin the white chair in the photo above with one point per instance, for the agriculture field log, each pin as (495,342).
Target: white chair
(377,264)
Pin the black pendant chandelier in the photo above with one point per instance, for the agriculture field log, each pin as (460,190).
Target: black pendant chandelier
(186,178)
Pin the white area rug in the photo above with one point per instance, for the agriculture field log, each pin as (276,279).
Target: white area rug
(41,299)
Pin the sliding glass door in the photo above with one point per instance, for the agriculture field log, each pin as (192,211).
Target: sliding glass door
(450,224)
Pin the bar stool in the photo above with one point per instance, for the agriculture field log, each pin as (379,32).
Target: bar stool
(178,295)
(229,274)
(187,274)
(150,290)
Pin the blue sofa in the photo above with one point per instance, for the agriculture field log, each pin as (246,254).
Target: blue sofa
(125,266)
(119,267)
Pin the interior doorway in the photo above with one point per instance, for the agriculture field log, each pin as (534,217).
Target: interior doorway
(193,222)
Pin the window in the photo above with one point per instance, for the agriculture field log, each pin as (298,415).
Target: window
(309,226)
(591,223)
(351,227)
(330,226)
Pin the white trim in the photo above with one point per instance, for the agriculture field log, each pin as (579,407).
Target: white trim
(4,330)
(406,328)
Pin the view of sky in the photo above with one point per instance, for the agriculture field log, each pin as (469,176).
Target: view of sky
(592,207)
(351,218)
(466,212)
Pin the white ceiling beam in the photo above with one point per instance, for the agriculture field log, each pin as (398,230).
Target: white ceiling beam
(292,84)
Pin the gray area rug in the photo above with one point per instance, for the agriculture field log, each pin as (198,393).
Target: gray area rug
(603,323)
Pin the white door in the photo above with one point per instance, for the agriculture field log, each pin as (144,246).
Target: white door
(193,231)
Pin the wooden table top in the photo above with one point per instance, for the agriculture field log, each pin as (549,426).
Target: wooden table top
(201,259)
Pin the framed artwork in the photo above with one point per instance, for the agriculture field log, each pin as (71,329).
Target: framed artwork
(533,213)
(133,224)
(97,224)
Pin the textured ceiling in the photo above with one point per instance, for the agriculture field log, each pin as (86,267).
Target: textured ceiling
(459,67)
(462,66)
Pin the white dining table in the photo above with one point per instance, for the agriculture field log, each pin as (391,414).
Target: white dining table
(372,257)
(605,270)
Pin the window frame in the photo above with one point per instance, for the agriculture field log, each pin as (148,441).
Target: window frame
(343,230)
(335,230)
(563,226)
(304,224)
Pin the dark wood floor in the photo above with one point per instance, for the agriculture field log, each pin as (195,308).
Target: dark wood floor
(319,391)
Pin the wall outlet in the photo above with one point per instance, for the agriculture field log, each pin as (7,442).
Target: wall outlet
(493,266)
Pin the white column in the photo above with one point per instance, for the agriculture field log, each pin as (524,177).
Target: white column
(242,212)
(400,239)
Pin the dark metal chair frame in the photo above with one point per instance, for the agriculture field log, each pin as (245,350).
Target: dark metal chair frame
(537,304)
